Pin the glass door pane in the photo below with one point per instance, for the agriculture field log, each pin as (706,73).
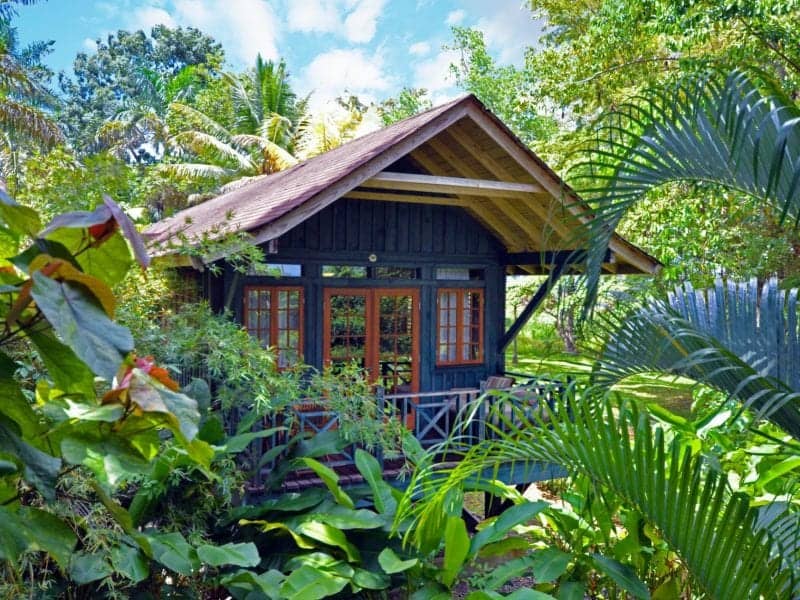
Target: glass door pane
(346,328)
(396,356)
(376,328)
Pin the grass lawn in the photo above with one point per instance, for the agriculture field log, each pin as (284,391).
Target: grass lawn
(673,393)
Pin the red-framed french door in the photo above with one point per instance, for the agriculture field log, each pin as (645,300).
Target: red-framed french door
(378,328)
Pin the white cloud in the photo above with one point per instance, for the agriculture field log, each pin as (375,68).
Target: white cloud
(148,16)
(320,16)
(354,20)
(434,74)
(332,73)
(455,17)
(419,48)
(508,27)
(243,27)
(90,45)
(361,24)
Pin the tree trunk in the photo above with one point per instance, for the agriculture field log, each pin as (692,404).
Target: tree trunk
(565,325)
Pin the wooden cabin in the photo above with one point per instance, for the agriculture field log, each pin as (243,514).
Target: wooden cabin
(393,249)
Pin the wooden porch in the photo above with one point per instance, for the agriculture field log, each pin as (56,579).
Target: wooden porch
(436,419)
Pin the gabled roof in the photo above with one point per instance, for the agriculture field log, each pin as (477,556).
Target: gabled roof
(458,153)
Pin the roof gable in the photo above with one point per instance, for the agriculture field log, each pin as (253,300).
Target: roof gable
(453,145)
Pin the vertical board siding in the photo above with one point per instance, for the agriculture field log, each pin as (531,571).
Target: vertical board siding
(413,235)
(392,227)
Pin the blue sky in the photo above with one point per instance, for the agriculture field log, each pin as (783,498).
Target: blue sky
(369,47)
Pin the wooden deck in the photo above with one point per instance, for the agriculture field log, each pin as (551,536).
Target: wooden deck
(432,417)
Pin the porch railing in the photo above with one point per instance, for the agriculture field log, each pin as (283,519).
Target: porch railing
(432,417)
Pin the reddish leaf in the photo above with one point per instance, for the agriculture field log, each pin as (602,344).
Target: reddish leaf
(80,219)
(129,231)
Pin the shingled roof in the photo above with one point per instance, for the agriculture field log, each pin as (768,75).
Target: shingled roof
(455,140)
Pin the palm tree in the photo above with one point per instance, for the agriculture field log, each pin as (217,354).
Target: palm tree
(732,130)
(730,548)
(139,132)
(267,117)
(271,132)
(23,117)
(335,125)
(742,340)
(265,103)
(220,154)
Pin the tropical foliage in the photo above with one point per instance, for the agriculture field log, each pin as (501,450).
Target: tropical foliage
(115,481)
(668,136)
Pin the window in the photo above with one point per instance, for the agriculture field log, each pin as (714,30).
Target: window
(460,327)
(275,270)
(459,274)
(274,315)
(394,273)
(344,271)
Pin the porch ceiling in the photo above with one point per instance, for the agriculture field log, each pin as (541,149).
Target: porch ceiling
(463,167)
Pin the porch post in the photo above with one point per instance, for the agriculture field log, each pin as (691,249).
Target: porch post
(533,304)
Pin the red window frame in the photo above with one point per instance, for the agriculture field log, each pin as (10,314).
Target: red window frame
(452,321)
(275,336)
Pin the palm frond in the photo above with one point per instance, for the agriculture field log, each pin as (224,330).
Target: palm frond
(199,142)
(730,337)
(729,130)
(195,170)
(200,121)
(712,529)
(30,121)
(271,152)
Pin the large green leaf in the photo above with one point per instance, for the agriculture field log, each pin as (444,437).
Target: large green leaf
(549,564)
(370,580)
(85,568)
(240,442)
(240,555)
(391,563)
(248,585)
(623,576)
(30,530)
(327,534)
(39,468)
(456,549)
(14,404)
(18,219)
(371,470)
(112,459)
(342,517)
(68,372)
(129,562)
(82,324)
(174,552)
(308,583)
(499,528)
(330,479)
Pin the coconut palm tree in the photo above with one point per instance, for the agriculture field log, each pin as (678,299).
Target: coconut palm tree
(265,103)
(24,120)
(220,154)
(333,126)
(139,132)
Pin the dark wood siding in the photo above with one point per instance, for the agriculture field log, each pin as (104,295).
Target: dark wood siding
(424,237)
